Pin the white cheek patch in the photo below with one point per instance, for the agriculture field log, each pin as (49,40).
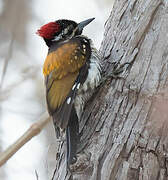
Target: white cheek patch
(56,38)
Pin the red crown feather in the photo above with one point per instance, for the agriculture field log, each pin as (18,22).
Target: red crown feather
(48,30)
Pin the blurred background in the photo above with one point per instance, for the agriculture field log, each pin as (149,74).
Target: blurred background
(22,98)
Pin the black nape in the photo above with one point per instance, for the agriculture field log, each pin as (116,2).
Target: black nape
(48,42)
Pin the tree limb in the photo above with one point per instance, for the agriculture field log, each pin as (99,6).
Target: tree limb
(34,130)
(124,127)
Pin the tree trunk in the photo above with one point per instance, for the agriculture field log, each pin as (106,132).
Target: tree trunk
(124,126)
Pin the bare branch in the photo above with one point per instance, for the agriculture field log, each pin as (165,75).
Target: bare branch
(37,177)
(34,130)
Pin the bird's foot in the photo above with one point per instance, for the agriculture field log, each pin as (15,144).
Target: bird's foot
(119,71)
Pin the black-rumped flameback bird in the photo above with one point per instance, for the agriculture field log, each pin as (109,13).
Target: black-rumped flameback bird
(72,72)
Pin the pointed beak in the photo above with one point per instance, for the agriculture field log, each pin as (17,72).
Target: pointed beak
(82,24)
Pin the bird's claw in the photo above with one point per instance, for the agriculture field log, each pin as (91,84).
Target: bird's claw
(117,70)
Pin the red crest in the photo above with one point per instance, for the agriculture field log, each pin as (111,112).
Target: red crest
(48,30)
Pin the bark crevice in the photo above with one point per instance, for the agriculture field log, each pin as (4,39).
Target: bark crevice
(124,127)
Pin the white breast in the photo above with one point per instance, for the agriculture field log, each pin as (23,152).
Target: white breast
(93,79)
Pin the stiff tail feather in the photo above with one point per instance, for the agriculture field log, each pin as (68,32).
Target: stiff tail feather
(72,137)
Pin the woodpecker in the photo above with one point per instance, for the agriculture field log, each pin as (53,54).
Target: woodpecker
(72,71)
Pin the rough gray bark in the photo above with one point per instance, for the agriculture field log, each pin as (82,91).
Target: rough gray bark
(124,127)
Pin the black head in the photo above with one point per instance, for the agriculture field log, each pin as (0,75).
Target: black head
(61,30)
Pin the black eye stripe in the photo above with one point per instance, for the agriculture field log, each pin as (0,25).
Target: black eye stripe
(67,23)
